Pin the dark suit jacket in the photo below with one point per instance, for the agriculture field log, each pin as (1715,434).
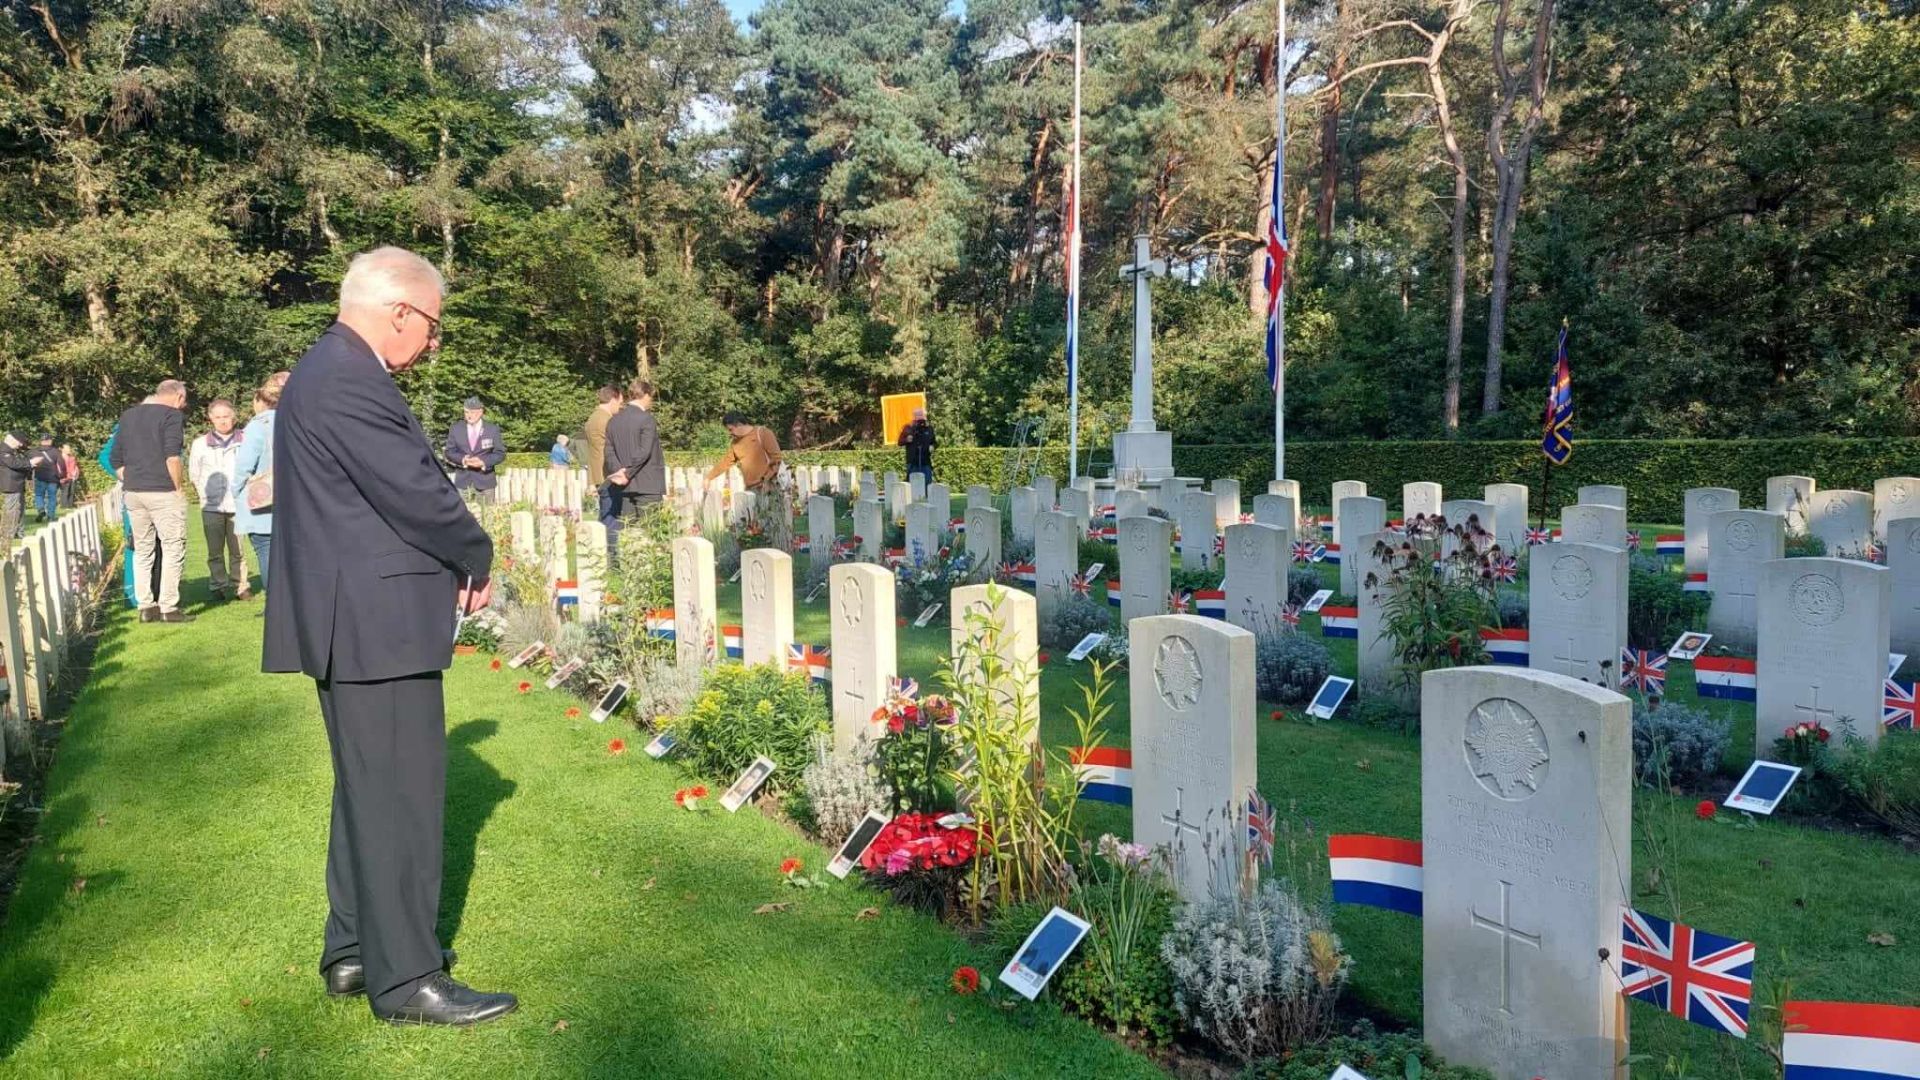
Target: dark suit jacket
(492,455)
(633,444)
(370,542)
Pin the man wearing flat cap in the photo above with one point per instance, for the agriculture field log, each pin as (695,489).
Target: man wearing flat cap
(474,449)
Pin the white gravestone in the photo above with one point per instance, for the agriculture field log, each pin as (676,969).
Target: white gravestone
(1047,490)
(1001,622)
(1291,489)
(1196,530)
(979,495)
(1359,518)
(1256,578)
(526,546)
(861,614)
(1344,489)
(1843,520)
(1823,647)
(590,568)
(1226,503)
(1604,495)
(695,614)
(1078,505)
(917,486)
(1509,516)
(1473,515)
(1024,505)
(1276,510)
(766,606)
(1739,543)
(1130,502)
(1894,497)
(898,496)
(1527,838)
(869,524)
(1903,567)
(1146,566)
(1192,696)
(1792,496)
(1594,523)
(820,534)
(1056,560)
(983,540)
(1419,497)
(1577,612)
(1169,493)
(1378,669)
(922,539)
(1699,504)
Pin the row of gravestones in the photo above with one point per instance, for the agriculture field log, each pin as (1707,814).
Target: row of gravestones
(544,489)
(1525,793)
(42,580)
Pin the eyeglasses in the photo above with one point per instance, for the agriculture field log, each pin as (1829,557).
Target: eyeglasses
(433,324)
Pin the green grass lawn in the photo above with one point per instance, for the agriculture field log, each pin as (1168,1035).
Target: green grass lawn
(190,794)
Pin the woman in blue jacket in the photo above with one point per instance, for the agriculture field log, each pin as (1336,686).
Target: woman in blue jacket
(256,460)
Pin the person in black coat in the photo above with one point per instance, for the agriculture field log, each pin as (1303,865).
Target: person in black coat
(917,438)
(474,449)
(373,553)
(636,469)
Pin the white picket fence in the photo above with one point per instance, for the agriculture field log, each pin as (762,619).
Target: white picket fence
(43,584)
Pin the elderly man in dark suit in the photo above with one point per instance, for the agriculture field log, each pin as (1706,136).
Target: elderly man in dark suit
(373,554)
(474,449)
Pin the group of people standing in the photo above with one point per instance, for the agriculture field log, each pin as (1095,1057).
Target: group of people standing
(53,472)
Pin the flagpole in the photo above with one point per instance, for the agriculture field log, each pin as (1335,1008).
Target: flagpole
(1280,205)
(1073,281)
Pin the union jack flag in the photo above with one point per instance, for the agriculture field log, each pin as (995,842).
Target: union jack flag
(1644,670)
(1899,711)
(1291,616)
(1538,536)
(1220,545)
(1178,601)
(1246,519)
(1700,977)
(1079,584)
(1302,551)
(1276,276)
(902,687)
(1633,540)
(1506,568)
(1259,828)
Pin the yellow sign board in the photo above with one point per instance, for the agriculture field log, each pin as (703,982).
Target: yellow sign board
(896,412)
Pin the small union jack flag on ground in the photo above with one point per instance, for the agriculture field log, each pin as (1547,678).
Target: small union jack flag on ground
(1220,545)
(1291,616)
(1177,601)
(1538,536)
(1899,711)
(1259,829)
(1506,568)
(1246,519)
(1644,670)
(1302,551)
(1079,584)
(1699,977)
(1633,540)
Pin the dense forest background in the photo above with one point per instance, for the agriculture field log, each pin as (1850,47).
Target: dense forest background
(850,197)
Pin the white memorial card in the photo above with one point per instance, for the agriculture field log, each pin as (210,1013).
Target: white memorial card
(565,672)
(1766,783)
(927,615)
(526,655)
(1894,660)
(814,593)
(857,844)
(1326,701)
(1043,952)
(615,697)
(1691,644)
(749,782)
(662,745)
(735,579)
(1087,645)
(1094,571)
(1317,600)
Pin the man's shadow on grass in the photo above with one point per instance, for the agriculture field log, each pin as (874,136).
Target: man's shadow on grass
(474,789)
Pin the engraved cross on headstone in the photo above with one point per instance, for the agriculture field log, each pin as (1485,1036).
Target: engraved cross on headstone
(1508,935)
(1571,665)
(1178,819)
(1142,269)
(1813,712)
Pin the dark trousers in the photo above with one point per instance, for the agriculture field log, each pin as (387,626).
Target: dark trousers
(616,505)
(389,743)
(225,568)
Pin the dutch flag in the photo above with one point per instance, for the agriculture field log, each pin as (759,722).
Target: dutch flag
(1332,555)
(660,623)
(1023,573)
(1212,602)
(566,593)
(1326,529)
(1113,593)
(1696,583)
(1728,677)
(1674,544)
(1106,774)
(1377,871)
(1340,622)
(1506,646)
(730,637)
(1838,1040)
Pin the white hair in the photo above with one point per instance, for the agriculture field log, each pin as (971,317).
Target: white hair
(387,275)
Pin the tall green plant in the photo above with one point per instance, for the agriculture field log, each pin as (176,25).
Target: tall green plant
(1436,590)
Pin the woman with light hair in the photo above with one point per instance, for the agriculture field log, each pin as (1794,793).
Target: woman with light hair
(253,477)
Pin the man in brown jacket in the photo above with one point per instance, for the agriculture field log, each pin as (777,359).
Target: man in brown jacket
(754,449)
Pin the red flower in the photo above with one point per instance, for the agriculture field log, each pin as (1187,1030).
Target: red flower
(790,866)
(571,713)
(495,665)
(1043,658)
(966,980)
(699,791)
(896,723)
(1822,734)
(525,686)
(1705,810)
(680,797)
(902,622)
(617,746)
(1276,715)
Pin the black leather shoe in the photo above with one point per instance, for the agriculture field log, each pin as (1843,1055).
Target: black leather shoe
(347,978)
(440,1000)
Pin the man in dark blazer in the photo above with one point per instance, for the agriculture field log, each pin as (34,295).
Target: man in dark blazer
(474,449)
(373,554)
(636,469)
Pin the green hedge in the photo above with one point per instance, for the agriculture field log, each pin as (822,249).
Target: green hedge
(1654,471)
